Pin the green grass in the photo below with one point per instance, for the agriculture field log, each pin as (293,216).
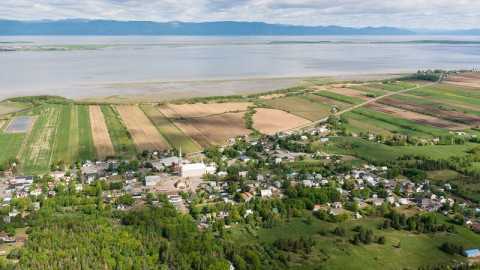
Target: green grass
(67,144)
(175,137)
(333,252)
(369,150)
(339,97)
(122,142)
(305,108)
(10,144)
(321,102)
(365,120)
(37,155)
(85,142)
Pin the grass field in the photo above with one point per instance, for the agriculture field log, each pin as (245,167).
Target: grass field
(441,104)
(175,137)
(307,109)
(369,150)
(86,149)
(38,152)
(8,108)
(66,142)
(390,87)
(121,140)
(10,144)
(333,252)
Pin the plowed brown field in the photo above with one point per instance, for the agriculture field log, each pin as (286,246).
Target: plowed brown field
(101,138)
(221,127)
(144,134)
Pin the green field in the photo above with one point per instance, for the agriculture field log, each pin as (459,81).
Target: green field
(380,125)
(122,142)
(413,125)
(448,94)
(307,109)
(367,91)
(169,131)
(38,152)
(339,97)
(10,144)
(439,104)
(66,144)
(369,150)
(86,149)
(334,252)
(390,87)
(329,105)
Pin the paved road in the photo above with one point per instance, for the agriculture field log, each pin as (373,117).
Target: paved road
(369,101)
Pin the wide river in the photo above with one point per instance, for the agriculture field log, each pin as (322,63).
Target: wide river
(123,69)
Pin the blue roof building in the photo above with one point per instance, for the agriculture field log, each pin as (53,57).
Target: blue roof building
(471,253)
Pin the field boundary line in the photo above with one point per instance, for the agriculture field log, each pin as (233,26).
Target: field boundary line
(24,143)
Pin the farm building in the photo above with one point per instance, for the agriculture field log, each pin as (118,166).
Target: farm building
(471,253)
(195,170)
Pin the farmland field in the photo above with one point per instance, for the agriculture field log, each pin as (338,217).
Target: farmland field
(172,133)
(144,134)
(201,109)
(201,139)
(429,120)
(38,151)
(2,122)
(377,126)
(121,140)
(10,145)
(221,127)
(339,97)
(470,79)
(439,103)
(349,93)
(271,121)
(85,141)
(300,107)
(101,138)
(448,94)
(432,110)
(66,142)
(8,108)
(390,87)
(337,103)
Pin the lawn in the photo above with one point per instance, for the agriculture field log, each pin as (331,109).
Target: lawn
(66,144)
(121,139)
(169,131)
(86,149)
(38,152)
(333,252)
(307,109)
(369,150)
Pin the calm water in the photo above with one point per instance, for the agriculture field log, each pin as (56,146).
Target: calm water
(95,72)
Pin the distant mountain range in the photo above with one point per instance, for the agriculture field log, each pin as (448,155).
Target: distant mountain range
(224,28)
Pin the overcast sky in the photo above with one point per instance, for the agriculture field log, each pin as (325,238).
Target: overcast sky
(434,14)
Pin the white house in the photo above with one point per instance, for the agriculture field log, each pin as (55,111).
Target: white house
(151,180)
(266,193)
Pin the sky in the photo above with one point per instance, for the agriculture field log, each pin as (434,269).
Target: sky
(413,14)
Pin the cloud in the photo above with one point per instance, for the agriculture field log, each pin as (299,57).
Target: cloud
(463,14)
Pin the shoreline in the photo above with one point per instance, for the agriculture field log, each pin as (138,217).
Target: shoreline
(163,91)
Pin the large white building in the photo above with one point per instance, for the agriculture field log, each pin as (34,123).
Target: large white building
(151,180)
(196,170)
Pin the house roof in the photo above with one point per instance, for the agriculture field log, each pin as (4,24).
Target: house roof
(472,252)
(193,167)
